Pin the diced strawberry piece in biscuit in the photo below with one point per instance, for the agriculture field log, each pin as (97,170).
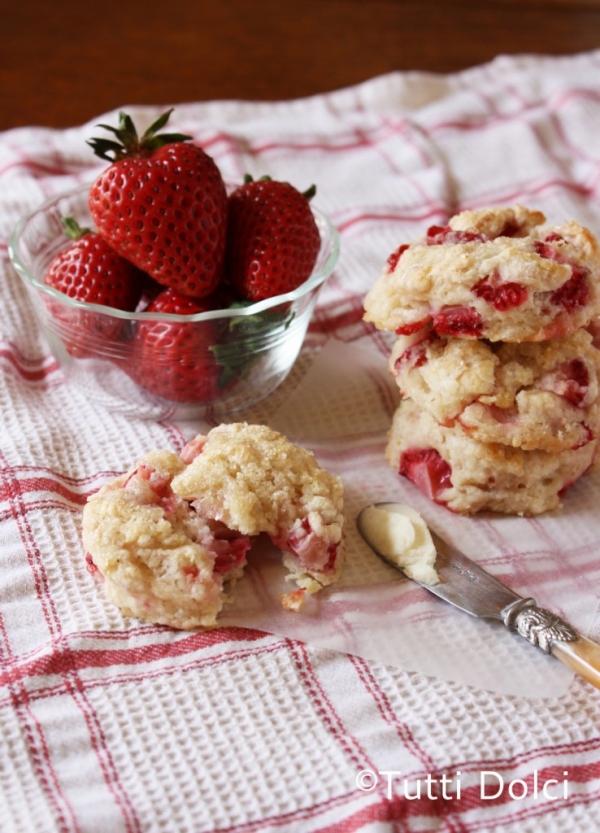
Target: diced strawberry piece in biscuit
(571,380)
(395,256)
(573,293)
(312,550)
(459,322)
(501,295)
(427,469)
(193,448)
(231,553)
(413,327)
(442,235)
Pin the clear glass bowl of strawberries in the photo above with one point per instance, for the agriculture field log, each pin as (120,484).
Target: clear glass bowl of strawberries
(161,290)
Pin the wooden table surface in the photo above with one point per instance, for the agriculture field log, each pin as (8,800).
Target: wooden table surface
(64,64)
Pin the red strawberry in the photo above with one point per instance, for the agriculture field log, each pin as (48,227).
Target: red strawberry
(89,270)
(173,359)
(576,290)
(162,204)
(272,238)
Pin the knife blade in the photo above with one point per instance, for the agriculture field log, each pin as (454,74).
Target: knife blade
(467,586)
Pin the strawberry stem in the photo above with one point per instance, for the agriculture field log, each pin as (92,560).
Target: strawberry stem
(72,229)
(129,143)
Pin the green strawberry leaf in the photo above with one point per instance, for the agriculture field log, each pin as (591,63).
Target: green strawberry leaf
(72,229)
(129,143)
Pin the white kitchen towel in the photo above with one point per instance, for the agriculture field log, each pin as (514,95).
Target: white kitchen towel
(111,724)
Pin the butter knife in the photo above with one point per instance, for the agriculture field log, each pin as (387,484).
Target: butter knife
(469,587)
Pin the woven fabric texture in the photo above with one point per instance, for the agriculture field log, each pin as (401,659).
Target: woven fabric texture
(423,721)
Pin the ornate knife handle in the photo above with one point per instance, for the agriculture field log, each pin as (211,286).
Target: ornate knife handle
(554,636)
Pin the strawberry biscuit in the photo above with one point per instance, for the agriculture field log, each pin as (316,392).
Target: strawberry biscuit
(499,274)
(254,480)
(535,395)
(468,476)
(171,534)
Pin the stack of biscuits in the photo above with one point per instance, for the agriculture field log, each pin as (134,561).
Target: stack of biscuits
(496,360)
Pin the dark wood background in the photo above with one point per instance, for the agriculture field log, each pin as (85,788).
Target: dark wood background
(62,64)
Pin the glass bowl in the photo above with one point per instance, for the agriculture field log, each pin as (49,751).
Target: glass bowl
(254,347)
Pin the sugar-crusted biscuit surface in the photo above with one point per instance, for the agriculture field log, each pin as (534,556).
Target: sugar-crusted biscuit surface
(534,395)
(500,273)
(469,476)
(254,480)
(171,535)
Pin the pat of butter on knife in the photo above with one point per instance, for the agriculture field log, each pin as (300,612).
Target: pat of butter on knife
(401,535)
